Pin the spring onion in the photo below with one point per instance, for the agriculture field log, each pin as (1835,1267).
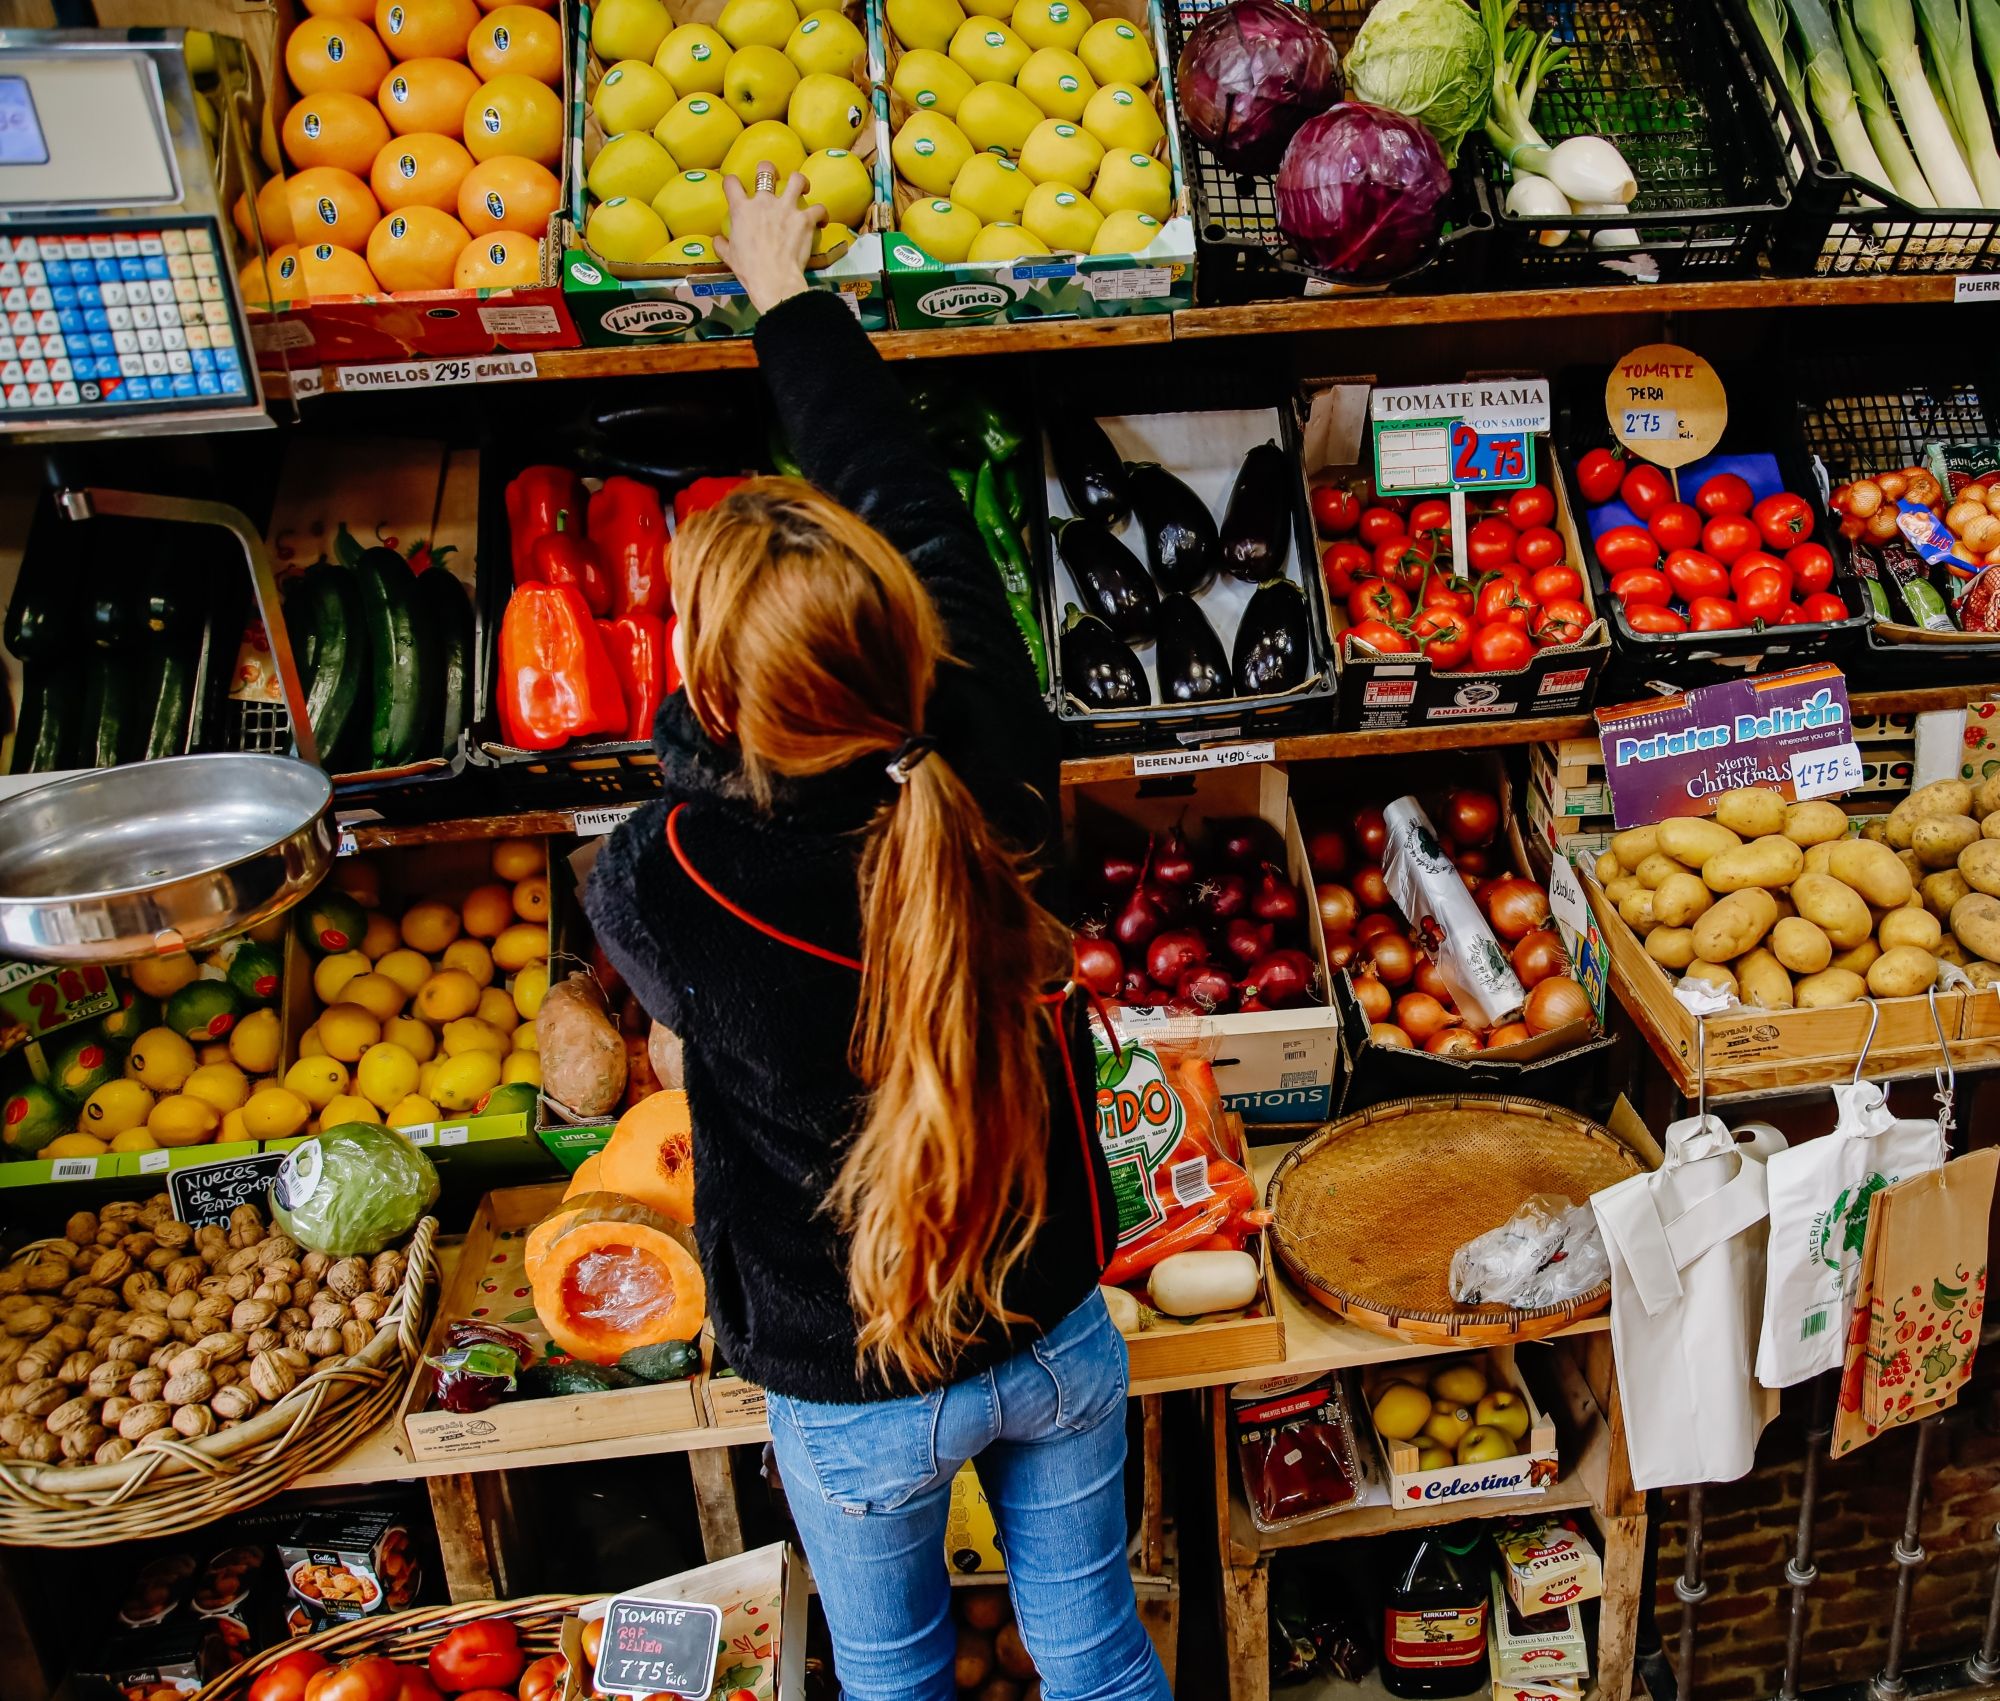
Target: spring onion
(1889,27)
(1520,61)
(1903,174)
(1948,32)
(1833,92)
(1529,197)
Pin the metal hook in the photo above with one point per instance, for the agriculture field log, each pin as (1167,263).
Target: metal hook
(1947,1077)
(1874,1020)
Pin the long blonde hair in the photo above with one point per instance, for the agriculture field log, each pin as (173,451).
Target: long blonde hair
(811,645)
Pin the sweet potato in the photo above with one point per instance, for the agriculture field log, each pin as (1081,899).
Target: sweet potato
(583,1057)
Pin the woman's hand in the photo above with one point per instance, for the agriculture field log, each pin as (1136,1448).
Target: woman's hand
(770,237)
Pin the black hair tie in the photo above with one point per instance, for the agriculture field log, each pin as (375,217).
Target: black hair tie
(912,751)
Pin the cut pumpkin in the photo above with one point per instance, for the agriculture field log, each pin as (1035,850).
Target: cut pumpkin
(536,1247)
(650,1156)
(586,1179)
(612,1275)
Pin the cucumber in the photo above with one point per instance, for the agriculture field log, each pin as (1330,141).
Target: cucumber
(387,590)
(573,1376)
(332,614)
(49,709)
(663,1361)
(170,690)
(111,684)
(450,608)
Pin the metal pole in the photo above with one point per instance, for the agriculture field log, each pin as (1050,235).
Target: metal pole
(1984,1666)
(1909,1554)
(1799,1569)
(1691,1591)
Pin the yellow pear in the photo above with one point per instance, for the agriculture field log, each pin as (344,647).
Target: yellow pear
(628,29)
(1056,82)
(988,51)
(929,151)
(924,23)
(698,131)
(838,181)
(943,229)
(693,58)
(1114,51)
(1002,241)
(758,23)
(694,204)
(997,119)
(1051,23)
(631,96)
(1125,232)
(1401,1412)
(1057,151)
(758,83)
(1133,183)
(768,141)
(928,81)
(992,187)
(826,111)
(1121,116)
(1062,217)
(825,41)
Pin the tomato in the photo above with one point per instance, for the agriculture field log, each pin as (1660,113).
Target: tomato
(369,1678)
(1556,584)
(1642,585)
(1790,615)
(1404,561)
(1378,525)
(1729,535)
(1377,599)
(1529,508)
(1650,617)
(1694,574)
(487,1695)
(485,1654)
(1676,525)
(1507,570)
(1431,515)
(1501,600)
(1335,512)
(1490,543)
(1343,564)
(1724,494)
(1562,621)
(1444,635)
(1624,547)
(593,1635)
(543,1681)
(1823,605)
(1501,647)
(285,1679)
(1757,561)
(1598,473)
(1714,614)
(1442,592)
(1379,635)
(1763,594)
(1538,547)
(1784,519)
(1811,565)
(1645,490)
(416,1685)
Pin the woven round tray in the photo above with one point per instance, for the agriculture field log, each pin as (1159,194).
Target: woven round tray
(163,1489)
(1370,1209)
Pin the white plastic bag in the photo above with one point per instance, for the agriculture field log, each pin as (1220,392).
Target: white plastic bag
(1548,1251)
(1819,1194)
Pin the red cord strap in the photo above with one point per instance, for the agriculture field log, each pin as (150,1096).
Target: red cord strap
(738,911)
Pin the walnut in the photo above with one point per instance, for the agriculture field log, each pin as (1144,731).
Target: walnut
(241,1285)
(13,1279)
(238,1400)
(347,1277)
(262,1340)
(81,1443)
(211,1240)
(186,1361)
(76,1367)
(211,1315)
(281,1269)
(114,1409)
(34,1365)
(160,1260)
(74,1286)
(147,1328)
(370,1307)
(222,1347)
(194,1421)
(164,1354)
(81,1229)
(38,1399)
(294,1317)
(246,1217)
(272,1376)
(116,1345)
(82,1318)
(108,1378)
(43,1449)
(322,1343)
(11,1349)
(329,1313)
(214,1288)
(315,1265)
(62,1340)
(278,1293)
(70,1413)
(184,1330)
(112,1451)
(225,1374)
(46,1273)
(158,1440)
(119,1211)
(107,1298)
(146,1385)
(16,1427)
(151,1300)
(181,1307)
(156,1210)
(189,1388)
(183,1274)
(250,1314)
(138,1243)
(386,1274)
(140,1281)
(242,1261)
(304,1291)
(355,1336)
(29,1320)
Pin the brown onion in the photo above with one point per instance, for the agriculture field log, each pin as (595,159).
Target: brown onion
(1420,1015)
(1326,851)
(1554,1003)
(1371,891)
(1392,958)
(1515,906)
(1508,1033)
(1430,978)
(1471,817)
(1337,909)
(1372,925)
(1371,832)
(1373,997)
(1473,859)
(1340,950)
(1453,1042)
(1539,955)
(1387,1033)
(1472,881)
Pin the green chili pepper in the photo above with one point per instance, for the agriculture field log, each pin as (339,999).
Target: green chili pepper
(1003,544)
(1010,493)
(961,481)
(782,459)
(997,433)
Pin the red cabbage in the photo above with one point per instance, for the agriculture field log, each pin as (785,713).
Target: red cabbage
(1361,193)
(1250,75)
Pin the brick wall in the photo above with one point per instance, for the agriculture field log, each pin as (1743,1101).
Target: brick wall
(1750,1525)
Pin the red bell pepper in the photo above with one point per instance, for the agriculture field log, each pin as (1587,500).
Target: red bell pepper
(629,528)
(640,651)
(534,499)
(703,493)
(566,557)
(556,682)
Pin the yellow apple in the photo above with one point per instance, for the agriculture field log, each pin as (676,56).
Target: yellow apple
(1448,1423)
(1504,1410)
(1462,1384)
(1482,1444)
(1401,1412)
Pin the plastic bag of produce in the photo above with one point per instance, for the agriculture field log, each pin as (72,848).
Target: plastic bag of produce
(1547,1252)
(1427,889)
(353,1188)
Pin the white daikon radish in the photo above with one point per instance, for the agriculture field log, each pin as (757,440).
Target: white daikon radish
(1532,197)
(1127,1315)
(1588,168)
(1189,1283)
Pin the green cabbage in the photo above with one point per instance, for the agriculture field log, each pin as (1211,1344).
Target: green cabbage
(353,1188)
(1429,60)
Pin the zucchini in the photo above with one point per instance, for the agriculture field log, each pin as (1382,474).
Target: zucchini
(111,682)
(450,606)
(333,615)
(390,618)
(170,690)
(573,1376)
(49,705)
(663,1361)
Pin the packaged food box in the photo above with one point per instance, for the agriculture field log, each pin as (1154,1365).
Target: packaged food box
(1530,1688)
(1548,1563)
(1538,1646)
(345,1565)
(971,1538)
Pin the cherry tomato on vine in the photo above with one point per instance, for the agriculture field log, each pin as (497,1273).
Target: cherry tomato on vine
(1811,565)
(1757,561)
(1650,617)
(1714,614)
(1379,635)
(1529,508)
(1501,600)
(1442,592)
(1431,515)
(1538,547)
(1725,493)
(1343,564)
(1729,535)
(1784,520)
(1377,599)
(1645,490)
(1676,525)
(1562,621)
(1501,647)
(1642,585)
(1763,594)
(1489,544)
(1598,474)
(1694,574)
(1445,635)
(1556,584)
(1823,605)
(1377,525)
(1624,547)
(1404,561)
(1334,510)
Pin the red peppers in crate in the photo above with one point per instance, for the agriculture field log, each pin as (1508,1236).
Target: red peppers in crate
(1295,1442)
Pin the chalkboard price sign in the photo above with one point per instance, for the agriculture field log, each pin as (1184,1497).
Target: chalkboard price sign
(658,1647)
(207,1193)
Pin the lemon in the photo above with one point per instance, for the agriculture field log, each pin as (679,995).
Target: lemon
(929,151)
(997,119)
(825,112)
(333,973)
(141,1139)
(430,926)
(386,1073)
(418,1038)
(768,141)
(1125,233)
(222,1085)
(496,1010)
(160,1059)
(516,859)
(380,937)
(469,1033)
(1114,51)
(631,96)
(1004,240)
(825,41)
(1062,217)
(427,1077)
(993,188)
(528,941)
(525,1038)
(115,1107)
(633,164)
(522,1066)
(942,228)
(309,1043)
(447,995)
(408,969)
(348,1108)
(694,56)
(316,1080)
(360,880)
(183,1120)
(380,996)
(461,1081)
(698,131)
(75,1146)
(1051,23)
(471,956)
(1136,183)
(274,1114)
(693,204)
(232,1132)
(623,231)
(924,23)
(1057,82)
(214,1052)
(530,898)
(529,988)
(988,51)
(628,29)
(347,1030)
(1120,116)
(410,1110)
(930,82)
(162,977)
(757,23)
(254,1042)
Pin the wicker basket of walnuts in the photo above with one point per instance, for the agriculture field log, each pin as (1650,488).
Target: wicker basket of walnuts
(154,1376)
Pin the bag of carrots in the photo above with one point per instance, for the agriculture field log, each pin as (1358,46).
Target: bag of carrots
(1175,1155)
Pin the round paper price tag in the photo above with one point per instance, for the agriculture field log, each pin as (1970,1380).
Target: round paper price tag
(1665,404)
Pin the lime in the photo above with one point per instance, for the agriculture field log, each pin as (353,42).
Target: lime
(514,1097)
(256,972)
(30,1117)
(83,1065)
(203,1010)
(332,921)
(115,1107)
(134,1015)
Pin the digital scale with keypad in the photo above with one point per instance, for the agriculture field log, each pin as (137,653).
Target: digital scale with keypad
(118,303)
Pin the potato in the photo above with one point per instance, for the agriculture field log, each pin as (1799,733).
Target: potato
(1751,812)
(1876,829)
(1975,924)
(1785,905)
(1656,869)
(1635,909)
(1989,825)
(1735,925)
(1985,798)
(1940,797)
(1635,844)
(1950,951)
(1608,868)
(1617,890)
(1908,858)
(1872,870)
(1827,988)
(1834,907)
(1671,947)
(1906,926)
(1902,973)
(1679,898)
(1983,975)
(1818,856)
(1762,980)
(1693,839)
(1770,861)
(1815,823)
(1980,864)
(1939,838)
(1716,974)
(1859,960)
(1942,890)
(1800,946)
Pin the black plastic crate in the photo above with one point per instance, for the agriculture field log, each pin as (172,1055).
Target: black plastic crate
(1830,229)
(1669,84)
(1243,256)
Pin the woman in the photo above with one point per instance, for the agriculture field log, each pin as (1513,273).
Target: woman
(901,1204)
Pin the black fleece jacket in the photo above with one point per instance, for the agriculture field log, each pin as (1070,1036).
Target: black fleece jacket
(766,1026)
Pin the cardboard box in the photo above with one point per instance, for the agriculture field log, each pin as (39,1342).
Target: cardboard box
(341,1565)
(971,1540)
(1549,1644)
(1531,1471)
(926,292)
(1548,1563)
(1539,1688)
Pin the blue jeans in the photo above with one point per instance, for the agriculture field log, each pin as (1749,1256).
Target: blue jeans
(870,1485)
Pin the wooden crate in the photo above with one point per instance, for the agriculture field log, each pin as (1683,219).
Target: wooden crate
(490,1284)
(1202,1348)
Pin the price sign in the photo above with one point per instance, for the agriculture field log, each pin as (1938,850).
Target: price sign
(1479,435)
(594,823)
(428,374)
(1665,404)
(1210,756)
(1819,773)
(36,1001)
(207,1193)
(658,1647)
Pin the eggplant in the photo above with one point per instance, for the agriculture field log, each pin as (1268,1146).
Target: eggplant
(1109,577)
(1097,668)
(1257,524)
(1271,650)
(1181,542)
(1092,476)
(1193,666)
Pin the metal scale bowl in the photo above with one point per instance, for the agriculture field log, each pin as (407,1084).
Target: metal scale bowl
(173,855)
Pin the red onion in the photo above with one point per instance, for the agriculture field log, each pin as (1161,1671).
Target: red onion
(1170,901)
(1137,920)
(1281,981)
(1209,988)
(1135,988)
(1099,965)
(1326,851)
(1275,898)
(1171,955)
(1222,897)
(1247,940)
(1244,844)
(1173,862)
(1119,872)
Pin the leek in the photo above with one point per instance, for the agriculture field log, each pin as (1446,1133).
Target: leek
(1769,17)
(1986,31)
(1889,28)
(1948,31)
(1833,92)
(1894,152)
